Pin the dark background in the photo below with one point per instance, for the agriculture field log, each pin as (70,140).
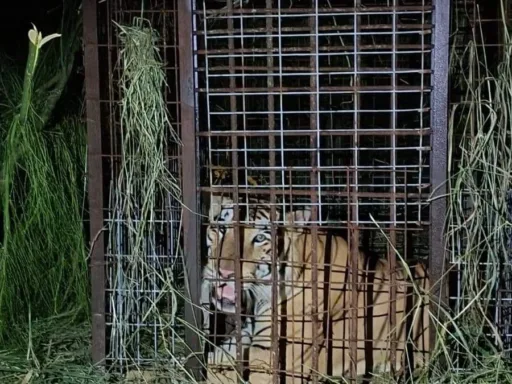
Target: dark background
(18,16)
(16,22)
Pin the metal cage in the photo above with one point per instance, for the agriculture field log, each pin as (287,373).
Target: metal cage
(336,107)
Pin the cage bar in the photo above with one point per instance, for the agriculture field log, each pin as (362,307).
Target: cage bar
(189,167)
(314,99)
(92,97)
(439,159)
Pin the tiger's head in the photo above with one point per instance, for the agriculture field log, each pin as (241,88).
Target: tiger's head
(257,254)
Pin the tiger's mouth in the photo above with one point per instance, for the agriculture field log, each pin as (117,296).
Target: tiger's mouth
(224,297)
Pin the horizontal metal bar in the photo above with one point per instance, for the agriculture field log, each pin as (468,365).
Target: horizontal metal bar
(159,46)
(356,224)
(327,168)
(339,111)
(346,72)
(426,48)
(119,13)
(305,90)
(284,71)
(334,11)
(361,131)
(350,169)
(325,34)
(278,192)
(325,189)
(333,150)
(373,202)
(345,27)
(153,258)
(327,52)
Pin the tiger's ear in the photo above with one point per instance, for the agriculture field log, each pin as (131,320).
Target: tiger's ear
(221,207)
(299,217)
(226,214)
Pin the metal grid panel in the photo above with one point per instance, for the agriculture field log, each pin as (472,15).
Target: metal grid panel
(374,127)
(327,105)
(138,301)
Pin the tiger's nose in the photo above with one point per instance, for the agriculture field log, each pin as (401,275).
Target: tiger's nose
(226,273)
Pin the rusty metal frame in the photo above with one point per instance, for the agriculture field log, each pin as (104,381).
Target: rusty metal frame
(439,154)
(95,179)
(191,229)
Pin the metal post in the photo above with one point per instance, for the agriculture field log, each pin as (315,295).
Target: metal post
(190,181)
(438,159)
(95,179)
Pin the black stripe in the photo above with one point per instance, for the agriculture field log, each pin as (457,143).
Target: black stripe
(250,301)
(263,212)
(303,335)
(261,347)
(344,313)
(327,320)
(283,340)
(246,353)
(245,370)
(242,239)
(262,330)
(282,257)
(371,262)
(409,355)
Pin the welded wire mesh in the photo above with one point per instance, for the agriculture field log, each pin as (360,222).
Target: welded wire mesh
(326,105)
(141,304)
(376,125)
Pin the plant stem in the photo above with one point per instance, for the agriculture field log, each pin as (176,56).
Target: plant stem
(28,82)
(10,155)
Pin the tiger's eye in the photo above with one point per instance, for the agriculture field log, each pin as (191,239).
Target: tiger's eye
(260,238)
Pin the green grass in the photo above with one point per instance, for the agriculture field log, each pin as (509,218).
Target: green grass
(58,351)
(43,269)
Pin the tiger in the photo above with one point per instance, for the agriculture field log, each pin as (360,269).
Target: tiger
(209,273)
(295,311)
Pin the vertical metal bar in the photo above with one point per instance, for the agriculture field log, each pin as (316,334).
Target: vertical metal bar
(236,212)
(438,157)
(313,103)
(117,352)
(353,201)
(246,143)
(173,215)
(167,203)
(392,234)
(408,355)
(95,176)
(275,334)
(190,181)
(281,108)
(354,251)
